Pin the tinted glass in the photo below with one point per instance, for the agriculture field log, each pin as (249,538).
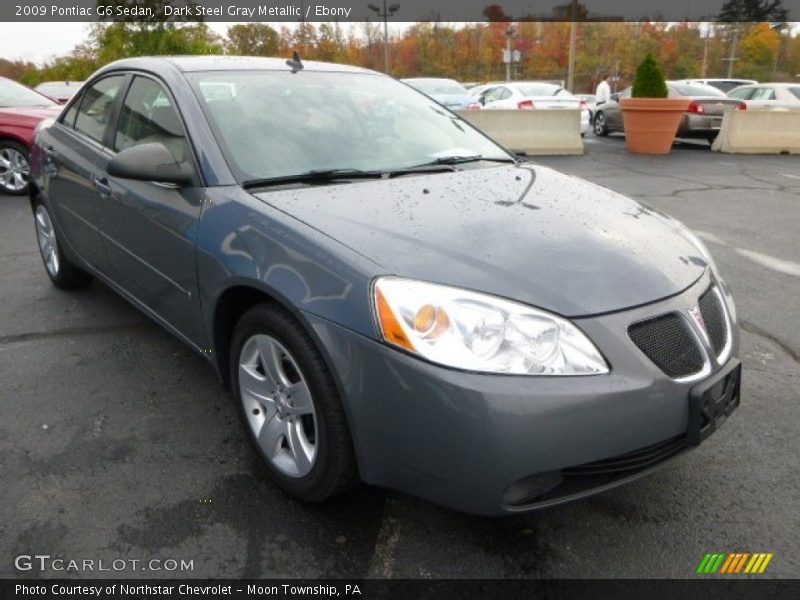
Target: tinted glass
(148,116)
(275,123)
(96,106)
(795,91)
(13,95)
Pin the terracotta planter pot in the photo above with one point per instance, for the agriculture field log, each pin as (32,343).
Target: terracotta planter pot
(651,123)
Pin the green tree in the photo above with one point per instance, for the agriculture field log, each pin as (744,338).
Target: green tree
(253,39)
(649,82)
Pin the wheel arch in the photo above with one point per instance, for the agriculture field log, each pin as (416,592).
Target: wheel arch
(233,302)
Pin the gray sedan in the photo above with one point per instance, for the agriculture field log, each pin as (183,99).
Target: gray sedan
(389,296)
(702,119)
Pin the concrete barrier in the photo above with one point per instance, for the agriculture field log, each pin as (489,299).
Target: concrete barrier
(759,131)
(534,131)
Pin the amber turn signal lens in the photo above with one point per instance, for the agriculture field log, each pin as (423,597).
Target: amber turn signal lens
(431,321)
(390,327)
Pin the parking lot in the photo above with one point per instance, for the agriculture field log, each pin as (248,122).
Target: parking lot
(117,442)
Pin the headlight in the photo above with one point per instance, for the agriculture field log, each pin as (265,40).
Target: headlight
(478,332)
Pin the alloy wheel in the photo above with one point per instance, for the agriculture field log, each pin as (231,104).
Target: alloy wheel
(46,236)
(278,405)
(14,170)
(599,124)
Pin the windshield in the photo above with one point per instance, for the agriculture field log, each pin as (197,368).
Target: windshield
(437,86)
(61,90)
(276,124)
(696,89)
(13,95)
(538,89)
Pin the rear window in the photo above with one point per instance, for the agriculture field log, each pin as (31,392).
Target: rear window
(538,89)
(437,86)
(695,89)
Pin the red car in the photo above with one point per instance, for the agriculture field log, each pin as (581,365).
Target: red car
(21,110)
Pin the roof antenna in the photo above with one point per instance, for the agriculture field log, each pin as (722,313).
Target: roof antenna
(295,63)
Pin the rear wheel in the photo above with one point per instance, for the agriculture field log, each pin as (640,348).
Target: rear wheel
(14,168)
(289,405)
(61,271)
(600,126)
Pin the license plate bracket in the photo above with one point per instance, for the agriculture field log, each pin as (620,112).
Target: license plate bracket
(713,401)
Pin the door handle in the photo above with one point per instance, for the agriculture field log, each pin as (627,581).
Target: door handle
(101,185)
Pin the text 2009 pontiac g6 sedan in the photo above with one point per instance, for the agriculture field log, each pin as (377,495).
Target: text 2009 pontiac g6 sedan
(390,295)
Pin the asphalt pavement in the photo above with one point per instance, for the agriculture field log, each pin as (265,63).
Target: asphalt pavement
(116,442)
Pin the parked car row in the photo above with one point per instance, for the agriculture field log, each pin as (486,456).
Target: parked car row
(515,95)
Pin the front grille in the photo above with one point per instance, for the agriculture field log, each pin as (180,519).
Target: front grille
(712,311)
(668,341)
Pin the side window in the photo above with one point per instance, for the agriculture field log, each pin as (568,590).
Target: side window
(148,116)
(741,94)
(69,117)
(764,94)
(96,106)
(503,93)
(493,94)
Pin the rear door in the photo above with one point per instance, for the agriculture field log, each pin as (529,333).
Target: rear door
(150,227)
(72,148)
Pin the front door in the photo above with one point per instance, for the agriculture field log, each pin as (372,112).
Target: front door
(150,227)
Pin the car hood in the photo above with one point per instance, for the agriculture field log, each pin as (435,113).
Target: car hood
(527,233)
(32,114)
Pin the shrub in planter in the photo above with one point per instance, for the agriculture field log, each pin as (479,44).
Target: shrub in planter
(651,118)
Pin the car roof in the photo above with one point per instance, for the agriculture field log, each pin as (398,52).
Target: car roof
(775,84)
(189,64)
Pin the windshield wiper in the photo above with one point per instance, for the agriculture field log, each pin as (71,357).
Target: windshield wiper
(458,160)
(319,176)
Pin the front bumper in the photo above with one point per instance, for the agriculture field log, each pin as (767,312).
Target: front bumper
(496,444)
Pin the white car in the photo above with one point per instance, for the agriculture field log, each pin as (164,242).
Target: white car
(769,95)
(535,95)
(726,85)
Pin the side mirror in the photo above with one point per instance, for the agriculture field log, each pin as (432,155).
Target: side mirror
(150,162)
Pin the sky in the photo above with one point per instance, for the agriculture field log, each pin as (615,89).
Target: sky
(38,42)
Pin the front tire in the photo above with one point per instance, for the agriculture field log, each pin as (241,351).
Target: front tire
(61,271)
(600,125)
(15,168)
(289,405)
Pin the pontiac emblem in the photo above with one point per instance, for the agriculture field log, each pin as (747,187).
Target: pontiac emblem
(697,317)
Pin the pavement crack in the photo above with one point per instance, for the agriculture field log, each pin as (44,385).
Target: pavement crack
(758,331)
(69,331)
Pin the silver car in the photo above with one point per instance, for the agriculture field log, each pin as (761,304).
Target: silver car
(702,119)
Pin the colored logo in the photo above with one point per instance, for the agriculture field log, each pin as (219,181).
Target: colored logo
(734,563)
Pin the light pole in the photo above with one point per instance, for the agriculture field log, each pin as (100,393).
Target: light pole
(387,12)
